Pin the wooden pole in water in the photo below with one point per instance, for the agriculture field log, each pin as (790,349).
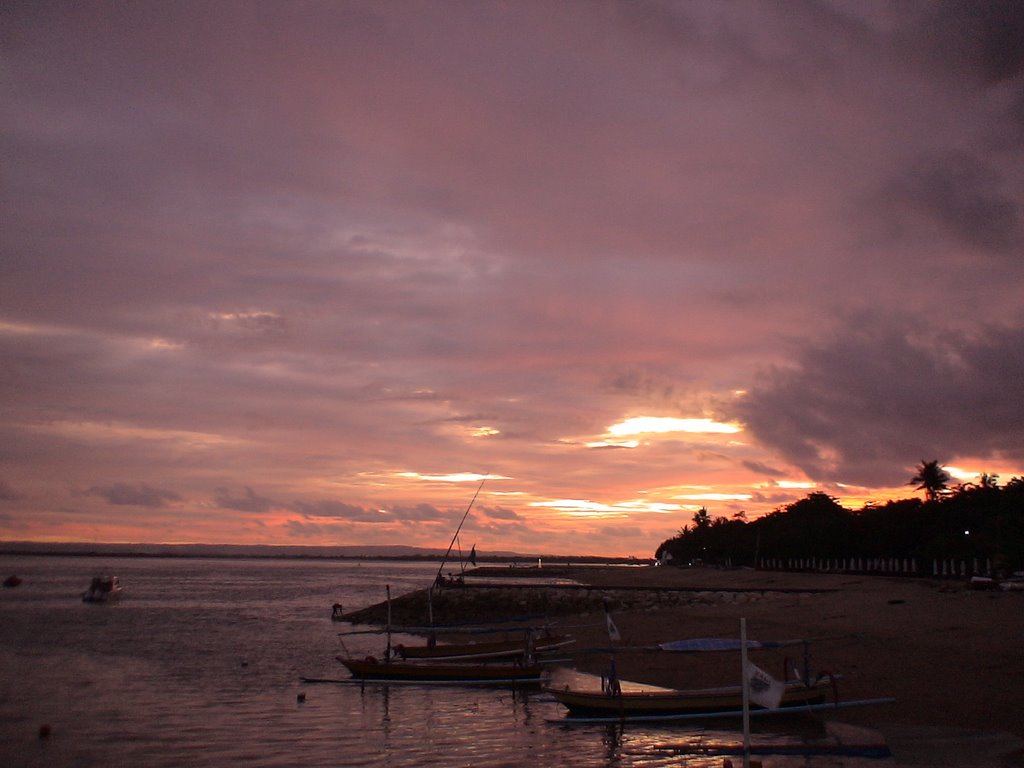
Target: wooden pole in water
(387,653)
(746,694)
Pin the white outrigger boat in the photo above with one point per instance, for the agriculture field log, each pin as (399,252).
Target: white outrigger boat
(597,696)
(102,589)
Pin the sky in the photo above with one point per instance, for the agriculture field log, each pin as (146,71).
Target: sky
(316,273)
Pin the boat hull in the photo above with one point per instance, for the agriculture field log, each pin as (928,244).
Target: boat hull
(373,669)
(501,649)
(637,699)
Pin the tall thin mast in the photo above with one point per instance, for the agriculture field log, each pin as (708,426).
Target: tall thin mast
(456,536)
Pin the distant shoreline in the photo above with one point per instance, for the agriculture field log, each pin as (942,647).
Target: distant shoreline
(208,556)
(276,552)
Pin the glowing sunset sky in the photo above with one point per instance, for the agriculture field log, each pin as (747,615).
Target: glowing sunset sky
(303,273)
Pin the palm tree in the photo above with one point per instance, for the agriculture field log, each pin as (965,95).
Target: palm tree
(988,481)
(931,478)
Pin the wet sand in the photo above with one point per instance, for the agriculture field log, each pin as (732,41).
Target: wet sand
(951,656)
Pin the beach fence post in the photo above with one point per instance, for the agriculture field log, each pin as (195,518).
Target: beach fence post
(746,693)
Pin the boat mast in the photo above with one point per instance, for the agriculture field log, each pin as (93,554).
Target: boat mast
(456,536)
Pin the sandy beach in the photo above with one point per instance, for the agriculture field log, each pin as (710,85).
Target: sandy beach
(951,656)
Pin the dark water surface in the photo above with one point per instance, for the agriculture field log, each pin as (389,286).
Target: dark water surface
(199,663)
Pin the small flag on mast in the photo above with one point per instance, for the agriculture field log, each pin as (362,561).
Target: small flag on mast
(613,631)
(764,689)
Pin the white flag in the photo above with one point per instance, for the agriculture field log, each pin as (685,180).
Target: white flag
(613,631)
(764,689)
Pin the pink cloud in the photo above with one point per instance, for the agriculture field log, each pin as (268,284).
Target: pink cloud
(301,253)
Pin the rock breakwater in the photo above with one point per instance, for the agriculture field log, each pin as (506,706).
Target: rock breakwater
(490,603)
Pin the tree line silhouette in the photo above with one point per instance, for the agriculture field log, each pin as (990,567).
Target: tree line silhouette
(969,522)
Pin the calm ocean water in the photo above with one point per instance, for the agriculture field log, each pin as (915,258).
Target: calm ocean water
(199,664)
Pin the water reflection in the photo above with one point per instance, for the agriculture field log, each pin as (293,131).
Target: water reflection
(794,742)
(427,725)
(612,740)
(158,680)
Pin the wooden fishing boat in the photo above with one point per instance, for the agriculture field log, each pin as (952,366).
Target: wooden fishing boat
(591,695)
(371,668)
(487,649)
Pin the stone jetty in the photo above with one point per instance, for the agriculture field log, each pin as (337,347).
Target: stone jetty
(491,594)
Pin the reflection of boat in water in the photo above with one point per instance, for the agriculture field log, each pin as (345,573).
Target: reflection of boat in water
(102,589)
(593,695)
(370,668)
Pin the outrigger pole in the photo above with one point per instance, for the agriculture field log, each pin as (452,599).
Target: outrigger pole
(456,536)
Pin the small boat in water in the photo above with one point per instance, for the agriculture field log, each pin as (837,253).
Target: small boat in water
(12,581)
(595,696)
(102,589)
(370,668)
(488,649)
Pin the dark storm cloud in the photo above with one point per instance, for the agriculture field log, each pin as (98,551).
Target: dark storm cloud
(491,523)
(331,508)
(960,194)
(305,530)
(763,469)
(7,492)
(499,513)
(134,494)
(249,502)
(420,513)
(978,37)
(871,402)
